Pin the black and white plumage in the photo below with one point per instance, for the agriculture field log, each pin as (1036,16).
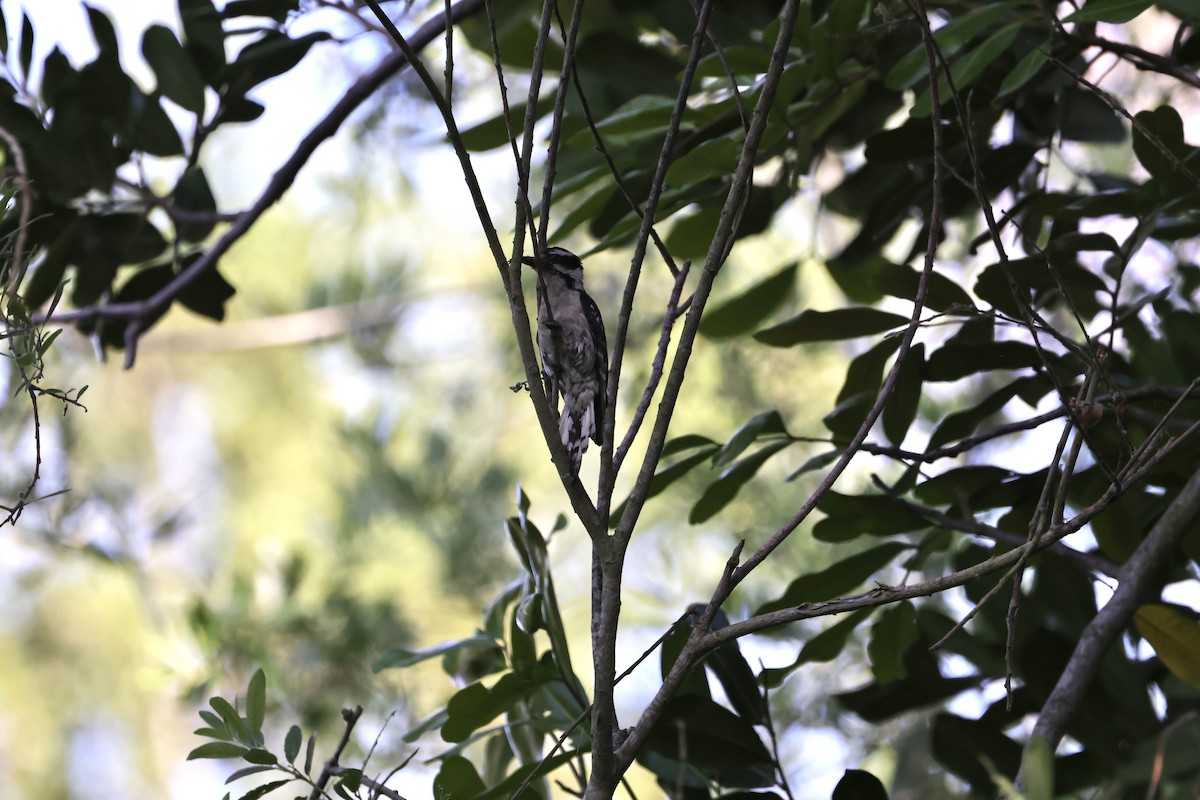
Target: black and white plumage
(574,350)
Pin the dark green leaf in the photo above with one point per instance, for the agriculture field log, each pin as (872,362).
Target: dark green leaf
(153,131)
(901,408)
(203,37)
(265,789)
(1025,70)
(47,274)
(272,54)
(217,750)
(3,37)
(689,441)
(351,779)
(1159,145)
(256,701)
(206,295)
(826,326)
(308,754)
(850,516)
(836,579)
(715,739)
(857,784)
(891,635)
(951,38)
(1117,11)
(736,677)
(959,743)
(26,44)
(476,705)
(764,424)
(747,310)
(961,424)
(193,194)
(400,657)
(241,109)
(666,476)
(104,33)
(967,69)
(291,743)
(957,485)
(825,646)
(714,158)
(257,755)
(277,10)
(58,76)
(942,294)
(722,491)
(245,771)
(231,718)
(952,361)
(493,133)
(819,461)
(178,78)
(457,778)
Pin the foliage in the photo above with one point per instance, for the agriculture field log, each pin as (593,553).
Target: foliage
(1012,249)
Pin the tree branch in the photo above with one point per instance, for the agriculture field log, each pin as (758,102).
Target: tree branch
(136,315)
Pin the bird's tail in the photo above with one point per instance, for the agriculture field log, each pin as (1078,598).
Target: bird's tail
(575,427)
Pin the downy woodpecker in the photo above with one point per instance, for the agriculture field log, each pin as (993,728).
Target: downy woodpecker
(574,350)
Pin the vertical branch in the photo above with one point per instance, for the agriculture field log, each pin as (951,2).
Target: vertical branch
(607,475)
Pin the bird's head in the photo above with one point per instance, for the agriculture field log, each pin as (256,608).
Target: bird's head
(556,260)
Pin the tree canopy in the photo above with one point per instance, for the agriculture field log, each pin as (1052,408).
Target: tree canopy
(979,219)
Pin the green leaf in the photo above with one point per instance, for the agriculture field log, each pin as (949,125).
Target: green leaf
(850,516)
(827,326)
(308,754)
(266,788)
(1117,11)
(950,38)
(891,636)
(291,743)
(178,78)
(231,718)
(766,423)
(967,69)
(825,646)
(1025,71)
(256,701)
(1174,637)
(819,461)
(207,294)
(400,657)
(192,193)
(26,44)
(942,294)
(246,771)
(457,778)
(857,784)
(836,579)
(217,750)
(740,314)
(257,755)
(901,408)
(1037,765)
(277,10)
(722,491)
(272,54)
(203,37)
(665,477)
(689,441)
(153,132)
(952,360)
(492,133)
(1163,130)
(715,158)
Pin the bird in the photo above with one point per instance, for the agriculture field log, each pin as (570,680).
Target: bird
(574,350)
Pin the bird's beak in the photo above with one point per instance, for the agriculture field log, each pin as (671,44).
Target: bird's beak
(528,261)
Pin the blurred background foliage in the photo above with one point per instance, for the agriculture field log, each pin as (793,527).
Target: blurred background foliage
(318,479)
(323,477)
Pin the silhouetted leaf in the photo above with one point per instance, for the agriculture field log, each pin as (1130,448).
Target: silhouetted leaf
(457,778)
(959,745)
(766,423)
(722,491)
(891,635)
(256,701)
(207,294)
(827,326)
(836,579)
(26,44)
(901,408)
(1116,11)
(742,313)
(217,750)
(291,743)
(177,76)
(857,784)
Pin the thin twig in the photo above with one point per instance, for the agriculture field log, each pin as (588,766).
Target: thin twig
(351,717)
